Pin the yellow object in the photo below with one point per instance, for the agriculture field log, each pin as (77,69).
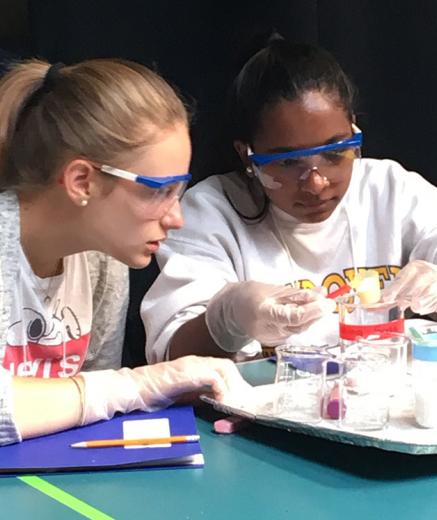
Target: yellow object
(109,443)
(366,285)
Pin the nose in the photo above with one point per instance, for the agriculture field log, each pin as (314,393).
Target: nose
(172,218)
(312,181)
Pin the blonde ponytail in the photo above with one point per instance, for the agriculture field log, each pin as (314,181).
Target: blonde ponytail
(15,89)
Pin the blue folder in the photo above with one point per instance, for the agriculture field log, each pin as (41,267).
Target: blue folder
(52,453)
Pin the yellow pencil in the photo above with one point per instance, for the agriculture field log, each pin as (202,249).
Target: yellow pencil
(109,443)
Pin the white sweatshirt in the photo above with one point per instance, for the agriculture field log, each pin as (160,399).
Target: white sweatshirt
(387,218)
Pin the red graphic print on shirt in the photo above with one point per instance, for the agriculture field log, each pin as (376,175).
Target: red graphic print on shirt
(42,347)
(45,360)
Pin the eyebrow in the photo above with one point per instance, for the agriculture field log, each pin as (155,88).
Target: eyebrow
(333,139)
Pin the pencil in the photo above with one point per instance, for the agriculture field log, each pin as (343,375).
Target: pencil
(109,443)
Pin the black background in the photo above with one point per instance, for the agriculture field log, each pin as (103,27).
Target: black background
(388,47)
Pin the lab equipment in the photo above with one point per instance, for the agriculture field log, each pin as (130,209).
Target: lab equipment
(425,377)
(299,380)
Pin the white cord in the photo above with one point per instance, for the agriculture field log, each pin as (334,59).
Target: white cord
(23,327)
(294,283)
(351,241)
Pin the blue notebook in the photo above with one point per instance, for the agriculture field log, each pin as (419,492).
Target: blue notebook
(52,453)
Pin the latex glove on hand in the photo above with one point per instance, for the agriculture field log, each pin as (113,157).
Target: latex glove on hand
(244,311)
(157,386)
(415,286)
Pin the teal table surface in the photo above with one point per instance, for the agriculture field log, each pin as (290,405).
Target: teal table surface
(257,473)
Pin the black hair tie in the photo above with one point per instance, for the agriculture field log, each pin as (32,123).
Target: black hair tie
(50,78)
(47,85)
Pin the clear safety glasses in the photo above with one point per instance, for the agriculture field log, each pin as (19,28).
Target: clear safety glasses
(160,193)
(331,161)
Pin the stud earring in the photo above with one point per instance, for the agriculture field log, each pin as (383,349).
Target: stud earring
(249,171)
(84,202)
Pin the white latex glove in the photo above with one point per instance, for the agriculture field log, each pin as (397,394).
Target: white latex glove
(153,387)
(415,286)
(244,311)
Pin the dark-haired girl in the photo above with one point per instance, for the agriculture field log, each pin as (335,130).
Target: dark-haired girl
(305,212)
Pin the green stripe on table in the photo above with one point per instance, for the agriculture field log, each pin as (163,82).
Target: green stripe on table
(64,498)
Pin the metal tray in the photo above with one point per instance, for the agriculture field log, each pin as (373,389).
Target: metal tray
(401,434)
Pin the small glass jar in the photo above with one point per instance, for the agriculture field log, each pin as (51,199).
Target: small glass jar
(365,389)
(299,381)
(394,347)
(358,320)
(425,380)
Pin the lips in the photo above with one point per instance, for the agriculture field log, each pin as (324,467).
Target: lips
(153,245)
(316,205)
(160,239)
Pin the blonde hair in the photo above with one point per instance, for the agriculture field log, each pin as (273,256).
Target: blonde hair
(101,109)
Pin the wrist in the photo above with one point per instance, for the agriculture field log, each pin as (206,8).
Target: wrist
(107,392)
(220,320)
(157,383)
(225,334)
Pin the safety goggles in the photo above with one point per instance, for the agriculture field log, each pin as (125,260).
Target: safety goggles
(160,193)
(329,160)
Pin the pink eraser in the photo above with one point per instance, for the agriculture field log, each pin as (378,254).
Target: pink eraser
(230,424)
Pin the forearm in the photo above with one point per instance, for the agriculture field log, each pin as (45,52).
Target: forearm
(193,337)
(42,406)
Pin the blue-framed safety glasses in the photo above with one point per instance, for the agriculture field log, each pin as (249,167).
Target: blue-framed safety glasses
(330,160)
(160,192)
